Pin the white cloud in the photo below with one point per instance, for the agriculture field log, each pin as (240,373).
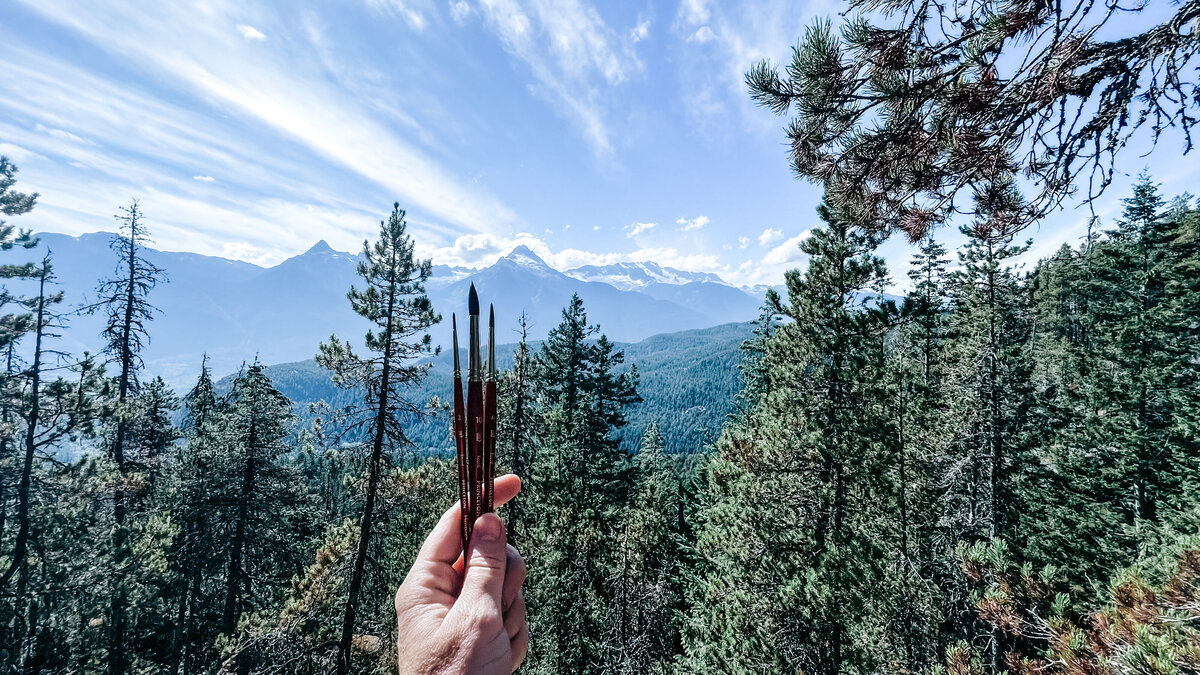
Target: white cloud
(743,242)
(719,42)
(16,152)
(637,228)
(250,32)
(574,56)
(62,134)
(769,236)
(204,179)
(786,253)
(689,224)
(641,31)
(277,88)
(481,250)
(694,11)
(702,35)
(459,11)
(412,11)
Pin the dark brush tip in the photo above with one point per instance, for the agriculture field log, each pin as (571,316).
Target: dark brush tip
(473,302)
(491,315)
(453,322)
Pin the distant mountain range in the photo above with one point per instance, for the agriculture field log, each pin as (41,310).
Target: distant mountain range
(688,382)
(233,310)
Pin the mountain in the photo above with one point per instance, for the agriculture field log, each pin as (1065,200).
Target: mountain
(234,311)
(688,382)
(701,292)
(629,276)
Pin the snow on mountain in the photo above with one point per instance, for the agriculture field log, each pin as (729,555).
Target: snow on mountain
(234,311)
(631,276)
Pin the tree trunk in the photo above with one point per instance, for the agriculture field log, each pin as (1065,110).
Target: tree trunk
(364,533)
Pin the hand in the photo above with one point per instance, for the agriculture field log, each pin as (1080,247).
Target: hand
(472,624)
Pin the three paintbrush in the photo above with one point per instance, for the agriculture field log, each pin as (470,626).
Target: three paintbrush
(475,420)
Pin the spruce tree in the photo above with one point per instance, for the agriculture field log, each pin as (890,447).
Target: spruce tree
(648,600)
(394,301)
(580,489)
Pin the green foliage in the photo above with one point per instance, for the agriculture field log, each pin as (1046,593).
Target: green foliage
(998,474)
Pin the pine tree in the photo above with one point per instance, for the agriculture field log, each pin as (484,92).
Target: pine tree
(912,108)
(394,301)
(124,302)
(799,510)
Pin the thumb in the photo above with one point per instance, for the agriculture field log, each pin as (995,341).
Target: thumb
(483,582)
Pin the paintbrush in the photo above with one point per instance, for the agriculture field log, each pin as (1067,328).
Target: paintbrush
(475,418)
(460,444)
(489,411)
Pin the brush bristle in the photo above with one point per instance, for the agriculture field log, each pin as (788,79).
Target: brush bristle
(491,315)
(473,302)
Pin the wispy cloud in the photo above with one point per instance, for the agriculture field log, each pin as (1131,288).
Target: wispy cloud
(273,89)
(572,54)
(204,179)
(719,43)
(250,32)
(637,228)
(460,11)
(690,224)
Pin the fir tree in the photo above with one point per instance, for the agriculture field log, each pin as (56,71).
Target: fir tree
(580,490)
(648,599)
(394,301)
(798,508)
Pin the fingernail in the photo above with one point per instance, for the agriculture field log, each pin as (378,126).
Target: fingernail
(489,528)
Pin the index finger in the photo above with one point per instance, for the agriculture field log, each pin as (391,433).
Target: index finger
(444,544)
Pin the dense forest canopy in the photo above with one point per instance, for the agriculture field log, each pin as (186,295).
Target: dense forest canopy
(998,472)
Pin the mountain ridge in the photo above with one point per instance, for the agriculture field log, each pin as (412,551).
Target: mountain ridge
(234,311)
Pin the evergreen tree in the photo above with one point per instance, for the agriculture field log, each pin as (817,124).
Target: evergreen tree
(124,302)
(580,490)
(517,432)
(259,495)
(798,513)
(54,410)
(912,107)
(394,301)
(648,595)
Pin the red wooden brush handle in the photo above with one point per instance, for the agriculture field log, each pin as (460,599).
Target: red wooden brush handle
(475,446)
(460,446)
(489,445)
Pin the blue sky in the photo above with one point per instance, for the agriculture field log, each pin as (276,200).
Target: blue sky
(592,132)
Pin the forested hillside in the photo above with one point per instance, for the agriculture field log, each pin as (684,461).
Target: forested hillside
(999,471)
(688,382)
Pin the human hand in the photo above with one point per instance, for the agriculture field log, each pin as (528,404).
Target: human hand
(472,623)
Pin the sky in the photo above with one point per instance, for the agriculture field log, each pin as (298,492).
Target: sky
(592,132)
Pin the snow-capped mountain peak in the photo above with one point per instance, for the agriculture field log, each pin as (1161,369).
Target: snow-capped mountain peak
(630,276)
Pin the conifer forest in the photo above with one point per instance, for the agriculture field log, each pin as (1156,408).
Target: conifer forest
(997,471)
